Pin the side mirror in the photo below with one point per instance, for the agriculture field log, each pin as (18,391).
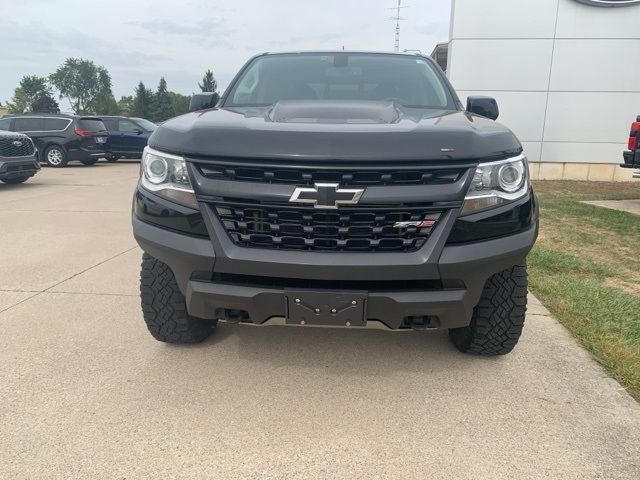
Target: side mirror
(202,101)
(138,132)
(483,106)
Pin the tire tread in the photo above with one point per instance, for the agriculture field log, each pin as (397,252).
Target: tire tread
(164,308)
(498,319)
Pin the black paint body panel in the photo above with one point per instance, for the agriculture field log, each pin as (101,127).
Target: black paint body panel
(417,135)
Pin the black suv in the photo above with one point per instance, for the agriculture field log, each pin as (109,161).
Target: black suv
(337,189)
(127,136)
(61,138)
(18,159)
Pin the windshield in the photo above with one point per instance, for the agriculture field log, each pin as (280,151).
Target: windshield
(146,125)
(405,79)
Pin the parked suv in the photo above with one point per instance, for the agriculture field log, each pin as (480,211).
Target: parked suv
(337,189)
(17,158)
(127,136)
(632,155)
(61,138)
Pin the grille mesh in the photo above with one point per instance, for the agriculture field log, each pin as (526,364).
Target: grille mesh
(20,168)
(410,175)
(301,228)
(22,148)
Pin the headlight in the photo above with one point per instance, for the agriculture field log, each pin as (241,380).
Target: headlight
(166,175)
(497,183)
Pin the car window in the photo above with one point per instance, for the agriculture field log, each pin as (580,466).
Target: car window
(125,125)
(28,124)
(53,124)
(407,80)
(4,123)
(145,125)
(111,124)
(91,125)
(245,88)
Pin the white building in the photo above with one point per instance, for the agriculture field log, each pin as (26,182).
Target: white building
(566,76)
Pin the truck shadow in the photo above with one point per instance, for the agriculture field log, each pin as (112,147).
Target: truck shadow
(342,351)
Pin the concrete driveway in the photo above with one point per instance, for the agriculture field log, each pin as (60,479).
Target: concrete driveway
(85,392)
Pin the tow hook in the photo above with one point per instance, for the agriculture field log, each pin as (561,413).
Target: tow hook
(422,323)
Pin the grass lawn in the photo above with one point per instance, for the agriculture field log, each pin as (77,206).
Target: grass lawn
(585,268)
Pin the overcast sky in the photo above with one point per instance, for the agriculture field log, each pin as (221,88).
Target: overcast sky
(147,39)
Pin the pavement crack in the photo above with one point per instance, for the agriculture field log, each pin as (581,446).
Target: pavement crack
(47,290)
(9,290)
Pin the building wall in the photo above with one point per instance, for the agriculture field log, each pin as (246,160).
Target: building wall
(566,76)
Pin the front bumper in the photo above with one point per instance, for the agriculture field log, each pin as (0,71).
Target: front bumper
(443,288)
(18,167)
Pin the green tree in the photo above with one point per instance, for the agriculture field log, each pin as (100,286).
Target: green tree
(143,97)
(180,102)
(161,106)
(126,105)
(79,81)
(30,88)
(45,103)
(209,83)
(19,102)
(104,103)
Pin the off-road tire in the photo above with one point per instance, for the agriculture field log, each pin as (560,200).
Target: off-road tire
(89,162)
(62,156)
(498,318)
(16,180)
(164,308)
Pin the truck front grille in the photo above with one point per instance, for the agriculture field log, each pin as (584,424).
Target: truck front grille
(370,229)
(389,175)
(15,146)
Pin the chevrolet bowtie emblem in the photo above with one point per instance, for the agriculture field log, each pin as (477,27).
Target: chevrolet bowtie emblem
(327,195)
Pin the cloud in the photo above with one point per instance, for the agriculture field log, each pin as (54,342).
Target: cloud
(201,29)
(45,43)
(433,29)
(146,39)
(39,50)
(319,39)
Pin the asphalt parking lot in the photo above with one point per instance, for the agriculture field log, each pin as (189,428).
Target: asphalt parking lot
(85,392)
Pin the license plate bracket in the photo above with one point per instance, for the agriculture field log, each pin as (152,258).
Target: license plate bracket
(329,308)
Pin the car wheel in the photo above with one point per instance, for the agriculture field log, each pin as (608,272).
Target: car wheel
(112,158)
(498,318)
(55,157)
(92,161)
(15,180)
(164,309)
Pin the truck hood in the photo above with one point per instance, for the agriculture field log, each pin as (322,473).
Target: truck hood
(335,130)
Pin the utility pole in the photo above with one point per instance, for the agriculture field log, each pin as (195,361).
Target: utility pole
(397,18)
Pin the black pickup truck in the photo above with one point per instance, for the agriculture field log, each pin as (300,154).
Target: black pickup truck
(632,155)
(344,189)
